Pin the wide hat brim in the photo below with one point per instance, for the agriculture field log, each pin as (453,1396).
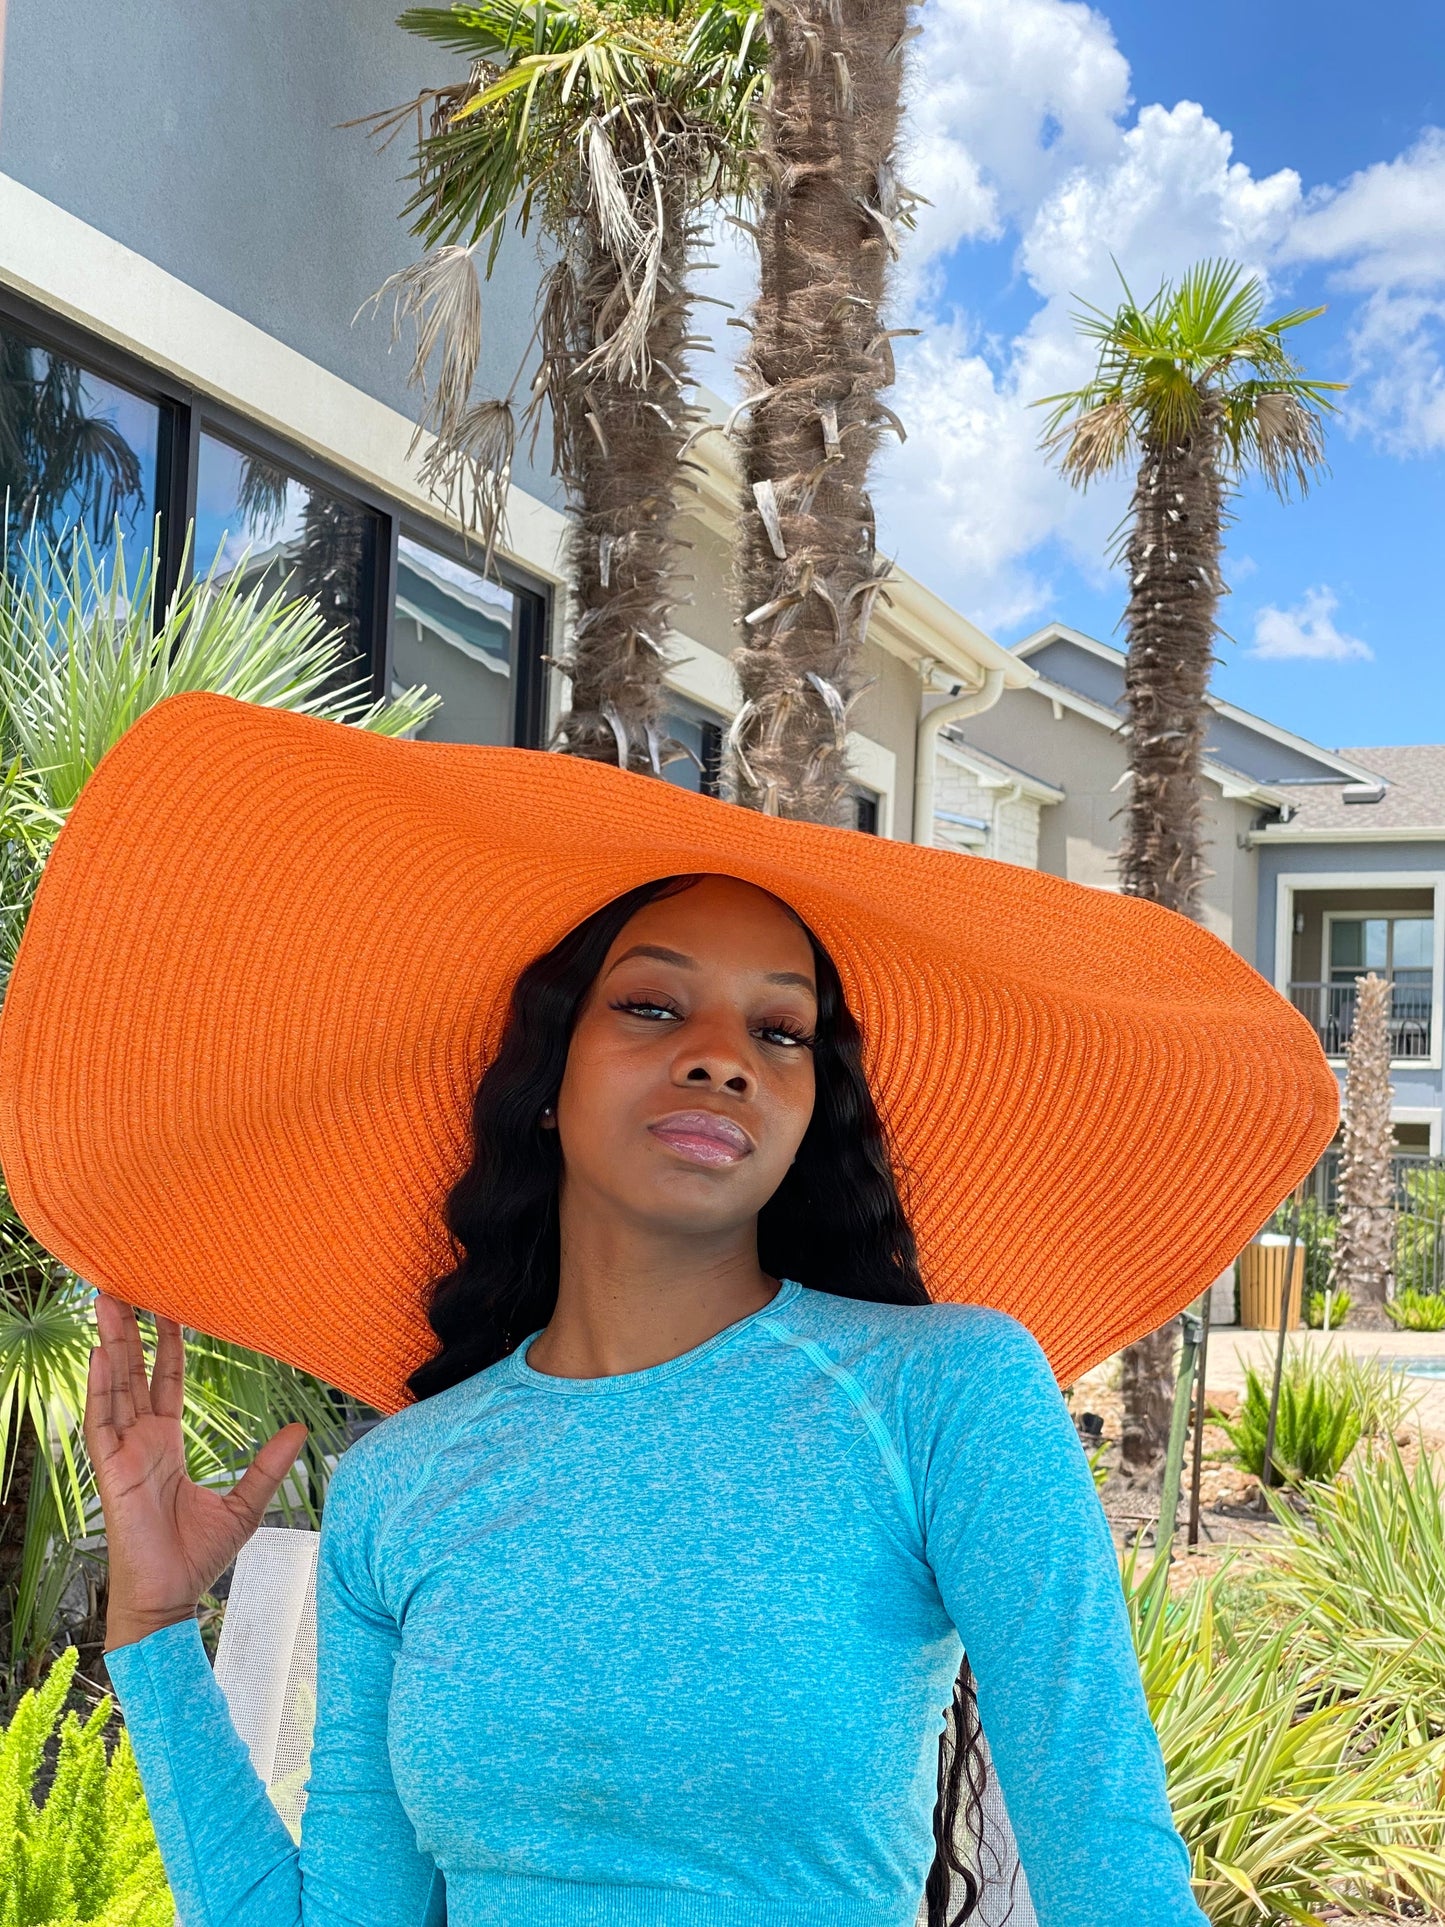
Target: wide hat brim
(270,957)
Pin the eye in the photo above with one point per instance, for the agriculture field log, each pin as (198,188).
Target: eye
(650,1009)
(786,1035)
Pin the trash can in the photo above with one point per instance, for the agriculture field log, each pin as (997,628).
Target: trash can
(1261,1282)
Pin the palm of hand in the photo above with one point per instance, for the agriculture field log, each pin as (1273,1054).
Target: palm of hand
(169,1539)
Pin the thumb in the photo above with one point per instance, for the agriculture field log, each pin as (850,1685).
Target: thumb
(258,1484)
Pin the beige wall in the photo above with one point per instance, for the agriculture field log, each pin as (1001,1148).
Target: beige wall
(1079,837)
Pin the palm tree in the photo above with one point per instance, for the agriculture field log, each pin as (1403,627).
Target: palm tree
(611,123)
(1192,391)
(1365,1242)
(55,450)
(828,226)
(84,651)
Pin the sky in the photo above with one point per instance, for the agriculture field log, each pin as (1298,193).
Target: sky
(1053,139)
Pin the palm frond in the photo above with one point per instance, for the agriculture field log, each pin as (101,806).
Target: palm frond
(1196,356)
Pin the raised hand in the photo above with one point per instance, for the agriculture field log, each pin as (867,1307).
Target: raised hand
(169,1539)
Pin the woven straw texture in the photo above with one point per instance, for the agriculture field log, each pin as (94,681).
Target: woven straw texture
(270,956)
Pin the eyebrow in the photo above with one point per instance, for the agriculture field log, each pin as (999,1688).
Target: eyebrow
(660,954)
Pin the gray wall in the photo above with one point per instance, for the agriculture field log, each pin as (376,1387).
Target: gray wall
(1079,838)
(206,138)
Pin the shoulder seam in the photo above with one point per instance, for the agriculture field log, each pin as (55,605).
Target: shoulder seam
(384,1524)
(888,1452)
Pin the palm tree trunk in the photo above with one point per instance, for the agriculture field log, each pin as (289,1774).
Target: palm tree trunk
(1365,1244)
(1173,557)
(809,572)
(619,452)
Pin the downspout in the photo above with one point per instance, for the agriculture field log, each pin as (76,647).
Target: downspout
(926,749)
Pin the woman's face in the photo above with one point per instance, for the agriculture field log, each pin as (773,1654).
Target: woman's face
(689,1080)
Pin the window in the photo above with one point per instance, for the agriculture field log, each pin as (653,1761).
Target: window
(865,811)
(92,439)
(701,735)
(1402,951)
(1400,948)
(77,451)
(462,634)
(283,534)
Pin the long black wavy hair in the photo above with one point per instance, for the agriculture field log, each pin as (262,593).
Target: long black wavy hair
(836,1223)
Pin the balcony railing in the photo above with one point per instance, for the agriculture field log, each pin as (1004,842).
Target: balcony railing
(1331,1009)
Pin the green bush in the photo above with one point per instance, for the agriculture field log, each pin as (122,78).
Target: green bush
(86,1856)
(1318,1426)
(1361,1581)
(1418,1311)
(1291,1794)
(1314,1309)
(1420,1233)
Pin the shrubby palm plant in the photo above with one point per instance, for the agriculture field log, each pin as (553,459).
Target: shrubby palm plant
(1292,1791)
(1318,1426)
(1417,1311)
(82,655)
(1192,391)
(610,123)
(85,1855)
(1363,1580)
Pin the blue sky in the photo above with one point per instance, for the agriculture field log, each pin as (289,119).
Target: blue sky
(1307,142)
(1301,140)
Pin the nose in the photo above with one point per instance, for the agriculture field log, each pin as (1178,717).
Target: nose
(718,1057)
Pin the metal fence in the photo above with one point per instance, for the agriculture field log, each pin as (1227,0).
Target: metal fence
(1330,1008)
(1419,1188)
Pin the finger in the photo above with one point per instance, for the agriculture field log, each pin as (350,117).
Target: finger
(140,1389)
(259,1483)
(168,1380)
(110,1317)
(98,1430)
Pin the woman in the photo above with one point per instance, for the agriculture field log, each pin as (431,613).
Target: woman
(647,1609)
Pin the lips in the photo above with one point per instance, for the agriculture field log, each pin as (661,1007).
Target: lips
(702,1137)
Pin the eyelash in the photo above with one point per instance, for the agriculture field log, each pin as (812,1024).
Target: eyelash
(797,1039)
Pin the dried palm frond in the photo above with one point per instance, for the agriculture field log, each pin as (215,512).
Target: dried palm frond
(442,294)
(470,470)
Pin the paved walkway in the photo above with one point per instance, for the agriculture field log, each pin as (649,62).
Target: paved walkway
(1231,1349)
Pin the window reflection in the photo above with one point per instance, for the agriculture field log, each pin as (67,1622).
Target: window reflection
(254,515)
(76,452)
(701,734)
(455,632)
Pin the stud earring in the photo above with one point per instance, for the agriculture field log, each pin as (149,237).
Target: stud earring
(548,1115)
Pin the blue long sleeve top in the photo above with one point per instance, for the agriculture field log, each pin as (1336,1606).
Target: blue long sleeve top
(673,1648)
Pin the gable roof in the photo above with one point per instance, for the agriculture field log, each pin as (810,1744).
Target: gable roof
(1240,746)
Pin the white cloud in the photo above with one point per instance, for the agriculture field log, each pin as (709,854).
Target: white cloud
(970,502)
(1307,632)
(1021,133)
(1386,224)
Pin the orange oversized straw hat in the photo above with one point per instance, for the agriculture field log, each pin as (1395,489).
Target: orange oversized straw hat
(270,957)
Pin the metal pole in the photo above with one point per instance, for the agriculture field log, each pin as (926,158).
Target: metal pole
(1200,1371)
(1284,1297)
(1178,1426)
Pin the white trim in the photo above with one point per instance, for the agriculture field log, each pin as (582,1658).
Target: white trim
(428,625)
(1409,833)
(1419,1114)
(875,768)
(992,775)
(1303,881)
(77,271)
